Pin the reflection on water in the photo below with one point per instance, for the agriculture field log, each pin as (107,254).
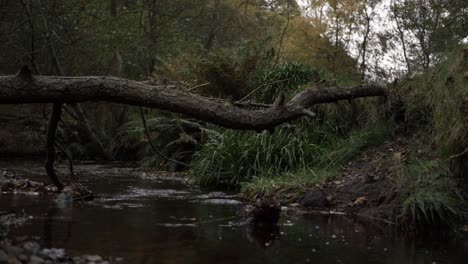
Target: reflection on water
(166,221)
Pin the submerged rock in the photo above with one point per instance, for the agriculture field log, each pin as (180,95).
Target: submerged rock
(264,211)
(314,198)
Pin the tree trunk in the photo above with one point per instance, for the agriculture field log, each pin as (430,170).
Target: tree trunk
(24,88)
(50,144)
(364,43)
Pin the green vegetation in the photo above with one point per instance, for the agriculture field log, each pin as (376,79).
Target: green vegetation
(255,51)
(431,194)
(287,186)
(306,153)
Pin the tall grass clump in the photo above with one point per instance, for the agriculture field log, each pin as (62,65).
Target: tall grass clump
(269,82)
(436,109)
(430,194)
(435,100)
(354,143)
(231,157)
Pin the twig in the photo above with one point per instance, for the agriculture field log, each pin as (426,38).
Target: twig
(458,155)
(198,86)
(256,89)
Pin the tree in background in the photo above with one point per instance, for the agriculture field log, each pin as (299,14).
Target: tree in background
(426,29)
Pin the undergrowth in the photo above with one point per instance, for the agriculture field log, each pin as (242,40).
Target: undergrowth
(265,161)
(430,193)
(432,182)
(304,153)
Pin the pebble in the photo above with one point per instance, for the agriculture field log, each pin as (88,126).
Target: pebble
(31,247)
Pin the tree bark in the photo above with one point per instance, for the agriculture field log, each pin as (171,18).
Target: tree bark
(24,89)
(50,144)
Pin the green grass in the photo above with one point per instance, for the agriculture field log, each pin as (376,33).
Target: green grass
(325,166)
(232,157)
(357,141)
(288,185)
(430,194)
(434,103)
(293,157)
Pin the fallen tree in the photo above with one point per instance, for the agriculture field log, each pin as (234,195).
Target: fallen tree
(23,88)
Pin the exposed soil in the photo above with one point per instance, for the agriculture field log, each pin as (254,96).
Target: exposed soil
(367,186)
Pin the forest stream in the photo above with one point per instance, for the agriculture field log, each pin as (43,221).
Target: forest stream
(141,217)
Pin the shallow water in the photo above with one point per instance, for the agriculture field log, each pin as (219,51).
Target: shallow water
(162,220)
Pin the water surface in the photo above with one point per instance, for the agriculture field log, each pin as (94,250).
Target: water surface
(165,220)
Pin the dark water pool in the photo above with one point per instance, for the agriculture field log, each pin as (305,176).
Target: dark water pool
(161,220)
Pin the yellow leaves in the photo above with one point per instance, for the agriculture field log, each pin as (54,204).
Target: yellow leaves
(360,201)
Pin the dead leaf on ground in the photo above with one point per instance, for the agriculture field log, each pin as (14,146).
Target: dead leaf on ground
(360,201)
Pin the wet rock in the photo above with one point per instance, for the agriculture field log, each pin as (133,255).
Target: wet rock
(31,247)
(314,198)
(264,211)
(93,258)
(54,253)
